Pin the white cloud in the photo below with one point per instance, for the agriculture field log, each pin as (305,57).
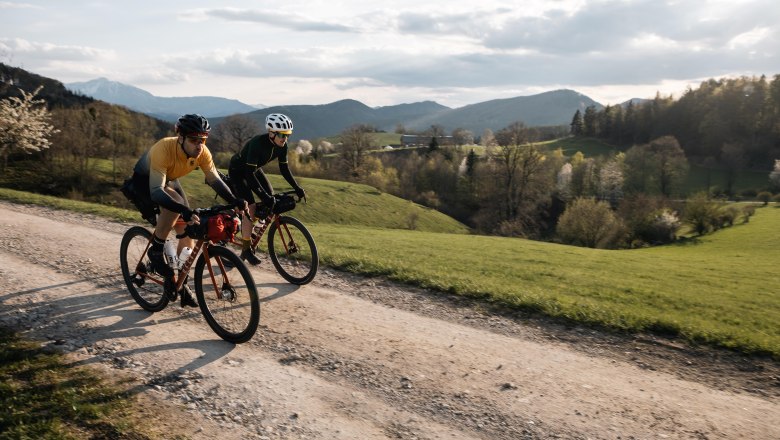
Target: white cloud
(51,51)
(454,52)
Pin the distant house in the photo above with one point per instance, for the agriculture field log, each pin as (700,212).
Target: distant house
(415,140)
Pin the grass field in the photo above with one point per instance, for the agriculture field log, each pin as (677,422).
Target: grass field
(716,290)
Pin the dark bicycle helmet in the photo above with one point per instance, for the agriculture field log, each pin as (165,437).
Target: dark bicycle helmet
(193,125)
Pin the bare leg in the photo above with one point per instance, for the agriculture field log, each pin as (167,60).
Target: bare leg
(246,223)
(167,219)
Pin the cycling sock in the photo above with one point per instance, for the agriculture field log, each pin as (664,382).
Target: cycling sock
(157,243)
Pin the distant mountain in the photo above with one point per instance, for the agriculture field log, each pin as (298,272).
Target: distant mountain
(313,121)
(635,102)
(545,109)
(164,108)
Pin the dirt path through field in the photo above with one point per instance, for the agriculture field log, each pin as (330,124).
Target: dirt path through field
(351,358)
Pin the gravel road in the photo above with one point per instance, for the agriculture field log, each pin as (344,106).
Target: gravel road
(348,357)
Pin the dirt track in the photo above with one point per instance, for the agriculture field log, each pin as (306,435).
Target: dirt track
(355,358)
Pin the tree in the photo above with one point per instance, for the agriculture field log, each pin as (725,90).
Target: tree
(461,136)
(672,166)
(514,134)
(610,182)
(774,176)
(304,147)
(589,121)
(488,139)
(355,144)
(590,223)
(234,131)
(24,125)
(734,159)
(577,127)
(657,167)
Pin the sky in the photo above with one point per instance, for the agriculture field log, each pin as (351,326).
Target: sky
(454,52)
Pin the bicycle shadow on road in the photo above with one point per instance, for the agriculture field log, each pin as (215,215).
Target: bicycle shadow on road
(78,314)
(280,290)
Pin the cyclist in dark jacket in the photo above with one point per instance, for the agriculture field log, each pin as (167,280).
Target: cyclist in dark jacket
(248,178)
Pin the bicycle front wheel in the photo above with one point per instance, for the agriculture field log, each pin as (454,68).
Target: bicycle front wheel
(293,251)
(227,295)
(144,285)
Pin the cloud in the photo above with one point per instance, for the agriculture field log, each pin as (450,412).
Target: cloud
(14,5)
(286,21)
(54,52)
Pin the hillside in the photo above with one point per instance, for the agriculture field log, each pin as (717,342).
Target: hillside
(54,92)
(161,107)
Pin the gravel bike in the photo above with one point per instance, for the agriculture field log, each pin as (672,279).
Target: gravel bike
(224,287)
(289,244)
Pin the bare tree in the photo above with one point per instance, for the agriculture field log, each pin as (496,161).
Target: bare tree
(234,131)
(514,134)
(461,136)
(355,145)
(24,125)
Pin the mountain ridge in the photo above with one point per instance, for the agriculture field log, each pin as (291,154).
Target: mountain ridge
(552,108)
(166,108)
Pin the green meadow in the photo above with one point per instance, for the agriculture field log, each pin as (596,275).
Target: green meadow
(716,290)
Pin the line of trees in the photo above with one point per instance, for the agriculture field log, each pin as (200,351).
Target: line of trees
(731,124)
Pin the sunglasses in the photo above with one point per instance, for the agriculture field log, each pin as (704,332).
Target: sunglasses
(282,135)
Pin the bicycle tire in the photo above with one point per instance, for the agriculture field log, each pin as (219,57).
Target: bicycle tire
(148,294)
(296,264)
(236,315)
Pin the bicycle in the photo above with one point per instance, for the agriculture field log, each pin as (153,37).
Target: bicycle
(289,244)
(228,300)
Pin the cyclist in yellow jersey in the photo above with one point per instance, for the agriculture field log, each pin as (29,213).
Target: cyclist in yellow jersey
(155,178)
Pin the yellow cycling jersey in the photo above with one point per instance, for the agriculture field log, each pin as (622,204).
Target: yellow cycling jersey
(167,158)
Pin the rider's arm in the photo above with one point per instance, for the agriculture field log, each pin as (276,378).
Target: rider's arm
(212,178)
(159,196)
(285,170)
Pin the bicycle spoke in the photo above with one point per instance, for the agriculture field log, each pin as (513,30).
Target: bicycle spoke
(227,295)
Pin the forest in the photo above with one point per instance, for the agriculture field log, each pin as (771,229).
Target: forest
(507,183)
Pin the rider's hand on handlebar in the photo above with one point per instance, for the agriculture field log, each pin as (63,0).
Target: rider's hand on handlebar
(300,193)
(190,217)
(240,204)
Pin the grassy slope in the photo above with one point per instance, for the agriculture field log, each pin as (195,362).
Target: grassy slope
(330,201)
(713,289)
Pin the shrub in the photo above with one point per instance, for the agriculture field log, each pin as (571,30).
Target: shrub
(701,214)
(764,196)
(587,222)
(663,227)
(747,212)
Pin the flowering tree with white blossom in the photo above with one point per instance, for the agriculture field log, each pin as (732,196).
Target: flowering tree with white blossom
(24,125)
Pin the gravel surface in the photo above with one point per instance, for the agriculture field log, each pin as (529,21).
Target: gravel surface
(356,357)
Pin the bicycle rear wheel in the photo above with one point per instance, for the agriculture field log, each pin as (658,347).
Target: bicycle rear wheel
(228,299)
(137,270)
(293,251)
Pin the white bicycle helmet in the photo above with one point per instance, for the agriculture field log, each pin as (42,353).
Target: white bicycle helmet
(279,123)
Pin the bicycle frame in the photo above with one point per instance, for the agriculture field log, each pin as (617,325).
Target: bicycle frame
(185,269)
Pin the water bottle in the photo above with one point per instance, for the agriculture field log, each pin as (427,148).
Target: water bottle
(185,254)
(170,253)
